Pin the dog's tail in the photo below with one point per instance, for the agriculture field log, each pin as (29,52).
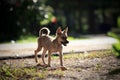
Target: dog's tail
(44,31)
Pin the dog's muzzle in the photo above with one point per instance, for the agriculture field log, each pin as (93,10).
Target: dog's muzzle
(65,43)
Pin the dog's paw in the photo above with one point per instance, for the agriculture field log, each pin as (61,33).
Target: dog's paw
(38,64)
(46,65)
(62,68)
(43,65)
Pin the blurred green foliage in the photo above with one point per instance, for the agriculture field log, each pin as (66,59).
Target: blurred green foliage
(26,17)
(23,17)
(116,46)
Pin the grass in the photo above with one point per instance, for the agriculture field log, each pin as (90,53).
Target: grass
(27,39)
(7,72)
(56,73)
(91,55)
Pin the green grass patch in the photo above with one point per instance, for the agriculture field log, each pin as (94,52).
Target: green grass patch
(8,72)
(56,73)
(91,55)
(27,39)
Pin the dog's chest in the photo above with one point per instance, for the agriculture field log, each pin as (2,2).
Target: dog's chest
(56,48)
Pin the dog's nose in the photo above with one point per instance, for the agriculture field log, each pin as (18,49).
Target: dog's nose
(67,41)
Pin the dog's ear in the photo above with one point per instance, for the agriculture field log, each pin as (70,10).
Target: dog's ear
(58,31)
(65,30)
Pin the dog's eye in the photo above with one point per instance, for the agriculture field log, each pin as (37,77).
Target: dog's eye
(64,37)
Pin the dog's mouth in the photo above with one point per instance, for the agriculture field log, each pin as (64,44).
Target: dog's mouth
(65,43)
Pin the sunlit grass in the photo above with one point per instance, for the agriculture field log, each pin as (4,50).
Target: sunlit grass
(91,55)
(56,73)
(9,73)
(27,39)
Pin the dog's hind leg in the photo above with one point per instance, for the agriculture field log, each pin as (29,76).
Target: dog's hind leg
(36,51)
(43,56)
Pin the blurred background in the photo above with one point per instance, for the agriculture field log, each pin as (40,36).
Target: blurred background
(26,17)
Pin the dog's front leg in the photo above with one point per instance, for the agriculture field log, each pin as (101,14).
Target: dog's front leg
(61,58)
(61,61)
(49,58)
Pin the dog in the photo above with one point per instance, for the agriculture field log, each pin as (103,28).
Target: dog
(45,41)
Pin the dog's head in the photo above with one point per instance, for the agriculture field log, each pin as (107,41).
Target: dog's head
(62,36)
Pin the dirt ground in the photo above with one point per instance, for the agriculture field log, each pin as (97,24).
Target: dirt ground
(98,68)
